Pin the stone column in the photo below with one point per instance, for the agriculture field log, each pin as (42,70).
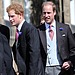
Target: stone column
(1,12)
(60,10)
(66,8)
(18,1)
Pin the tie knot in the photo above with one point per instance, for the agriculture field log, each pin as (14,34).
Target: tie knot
(17,30)
(51,32)
(50,28)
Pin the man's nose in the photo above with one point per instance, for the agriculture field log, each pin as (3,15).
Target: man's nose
(10,18)
(46,15)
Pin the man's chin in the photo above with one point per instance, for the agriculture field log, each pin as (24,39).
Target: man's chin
(13,24)
(48,22)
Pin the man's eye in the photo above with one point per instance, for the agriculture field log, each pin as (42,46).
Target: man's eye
(11,16)
(44,12)
(48,12)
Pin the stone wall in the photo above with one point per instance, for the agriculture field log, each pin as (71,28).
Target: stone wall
(1,12)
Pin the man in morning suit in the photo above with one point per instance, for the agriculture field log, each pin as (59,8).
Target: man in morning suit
(6,67)
(27,50)
(57,43)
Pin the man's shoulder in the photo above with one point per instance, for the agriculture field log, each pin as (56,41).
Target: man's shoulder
(62,24)
(2,37)
(28,26)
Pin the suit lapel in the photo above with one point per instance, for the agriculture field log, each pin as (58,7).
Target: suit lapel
(59,34)
(23,29)
(21,35)
(42,34)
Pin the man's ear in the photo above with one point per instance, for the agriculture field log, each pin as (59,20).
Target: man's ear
(54,13)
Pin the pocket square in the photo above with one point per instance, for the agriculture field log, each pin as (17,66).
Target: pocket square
(63,35)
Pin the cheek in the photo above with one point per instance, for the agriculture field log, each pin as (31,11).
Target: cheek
(52,16)
(16,19)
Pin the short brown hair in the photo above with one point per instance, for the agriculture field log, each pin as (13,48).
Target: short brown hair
(16,7)
(49,3)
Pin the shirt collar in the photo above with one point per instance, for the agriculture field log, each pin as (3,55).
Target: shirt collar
(20,25)
(46,25)
(53,24)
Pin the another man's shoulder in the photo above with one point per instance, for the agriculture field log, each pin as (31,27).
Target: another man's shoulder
(62,24)
(29,24)
(2,36)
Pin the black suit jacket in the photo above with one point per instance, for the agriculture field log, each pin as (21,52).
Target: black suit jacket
(6,67)
(28,50)
(65,42)
(5,31)
(74,35)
